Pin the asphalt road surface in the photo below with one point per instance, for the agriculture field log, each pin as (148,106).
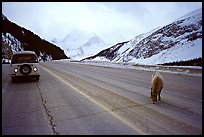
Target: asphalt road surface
(74,98)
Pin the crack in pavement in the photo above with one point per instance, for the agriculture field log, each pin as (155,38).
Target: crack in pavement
(94,97)
(50,117)
(84,115)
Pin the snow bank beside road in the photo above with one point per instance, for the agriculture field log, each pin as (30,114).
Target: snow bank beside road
(184,70)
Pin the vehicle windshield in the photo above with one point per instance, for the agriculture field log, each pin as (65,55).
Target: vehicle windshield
(24,58)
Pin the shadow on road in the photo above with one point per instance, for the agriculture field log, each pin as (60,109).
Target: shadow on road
(24,80)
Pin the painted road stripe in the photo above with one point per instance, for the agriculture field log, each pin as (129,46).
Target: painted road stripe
(94,101)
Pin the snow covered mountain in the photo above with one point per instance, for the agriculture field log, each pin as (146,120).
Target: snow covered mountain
(79,44)
(8,39)
(17,38)
(178,41)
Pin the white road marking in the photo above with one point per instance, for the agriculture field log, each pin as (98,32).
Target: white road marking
(94,101)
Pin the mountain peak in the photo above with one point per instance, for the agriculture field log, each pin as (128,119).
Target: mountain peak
(76,38)
(79,44)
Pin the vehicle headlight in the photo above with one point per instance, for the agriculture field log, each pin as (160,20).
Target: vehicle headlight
(15,70)
(35,69)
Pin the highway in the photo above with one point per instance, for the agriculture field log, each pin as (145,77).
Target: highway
(80,99)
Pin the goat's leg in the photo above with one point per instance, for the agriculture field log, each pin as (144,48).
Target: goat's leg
(159,98)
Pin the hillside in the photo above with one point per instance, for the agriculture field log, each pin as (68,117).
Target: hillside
(19,38)
(180,40)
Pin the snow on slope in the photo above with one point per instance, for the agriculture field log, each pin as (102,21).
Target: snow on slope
(128,47)
(12,41)
(80,44)
(176,53)
(183,51)
(178,41)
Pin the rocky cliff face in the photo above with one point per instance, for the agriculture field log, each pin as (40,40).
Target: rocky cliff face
(183,33)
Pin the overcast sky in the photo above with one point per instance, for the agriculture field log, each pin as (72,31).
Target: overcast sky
(112,21)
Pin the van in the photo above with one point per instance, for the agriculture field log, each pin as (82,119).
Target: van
(24,64)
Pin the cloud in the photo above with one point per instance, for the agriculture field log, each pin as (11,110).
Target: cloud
(113,21)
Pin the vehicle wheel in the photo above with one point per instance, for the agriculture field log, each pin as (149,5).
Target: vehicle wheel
(25,69)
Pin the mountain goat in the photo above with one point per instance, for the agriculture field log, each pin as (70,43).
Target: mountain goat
(157,84)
